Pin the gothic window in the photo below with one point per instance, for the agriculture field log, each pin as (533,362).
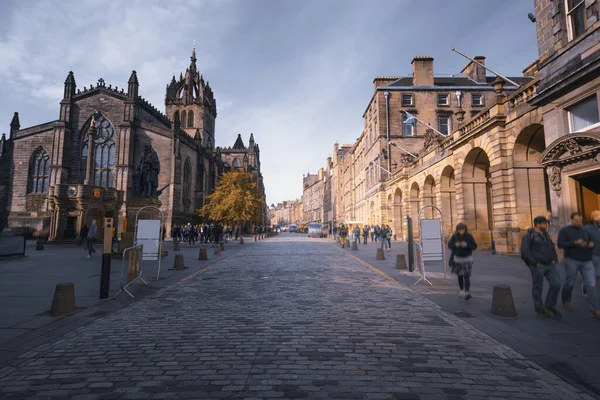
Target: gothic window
(183,119)
(187,180)
(39,173)
(190,123)
(104,153)
(236,163)
(176,116)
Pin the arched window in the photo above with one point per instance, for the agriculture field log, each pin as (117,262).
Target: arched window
(236,163)
(39,173)
(187,179)
(183,119)
(190,123)
(104,153)
(176,116)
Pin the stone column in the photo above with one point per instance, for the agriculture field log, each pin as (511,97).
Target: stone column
(90,167)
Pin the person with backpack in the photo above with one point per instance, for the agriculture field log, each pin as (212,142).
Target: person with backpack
(578,247)
(388,237)
(462,245)
(356,235)
(343,235)
(383,235)
(539,253)
(365,234)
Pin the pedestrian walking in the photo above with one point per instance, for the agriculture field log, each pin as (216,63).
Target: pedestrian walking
(356,235)
(83,234)
(365,234)
(593,229)
(383,237)
(539,253)
(343,235)
(461,245)
(388,237)
(91,238)
(578,247)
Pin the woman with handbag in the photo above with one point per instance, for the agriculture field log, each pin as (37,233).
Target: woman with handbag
(462,245)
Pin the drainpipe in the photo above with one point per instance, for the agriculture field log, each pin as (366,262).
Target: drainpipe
(387,127)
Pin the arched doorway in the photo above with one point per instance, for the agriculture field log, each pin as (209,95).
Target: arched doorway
(477,193)
(448,199)
(429,197)
(398,214)
(415,206)
(531,184)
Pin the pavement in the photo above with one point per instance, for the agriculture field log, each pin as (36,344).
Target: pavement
(27,287)
(287,317)
(568,347)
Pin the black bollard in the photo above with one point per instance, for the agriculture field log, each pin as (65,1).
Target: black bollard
(106,257)
(493,247)
(411,253)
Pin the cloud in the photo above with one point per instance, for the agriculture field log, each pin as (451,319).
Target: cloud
(298,74)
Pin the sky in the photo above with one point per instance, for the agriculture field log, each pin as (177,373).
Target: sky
(296,73)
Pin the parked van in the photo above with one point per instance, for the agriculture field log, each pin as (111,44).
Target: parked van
(315,230)
(293,228)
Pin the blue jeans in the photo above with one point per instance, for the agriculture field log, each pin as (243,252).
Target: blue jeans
(384,243)
(596,261)
(586,269)
(550,272)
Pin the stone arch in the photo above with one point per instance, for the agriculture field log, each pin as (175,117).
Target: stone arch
(448,199)
(397,211)
(429,192)
(415,206)
(477,191)
(531,183)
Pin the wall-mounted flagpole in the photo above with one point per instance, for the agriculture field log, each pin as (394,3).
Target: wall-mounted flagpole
(489,69)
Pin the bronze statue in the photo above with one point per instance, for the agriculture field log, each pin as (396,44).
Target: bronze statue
(145,176)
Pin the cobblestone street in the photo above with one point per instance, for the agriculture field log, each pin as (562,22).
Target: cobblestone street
(288,317)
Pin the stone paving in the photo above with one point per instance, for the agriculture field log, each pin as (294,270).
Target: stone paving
(287,318)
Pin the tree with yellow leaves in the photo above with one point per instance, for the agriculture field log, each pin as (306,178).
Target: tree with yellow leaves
(235,199)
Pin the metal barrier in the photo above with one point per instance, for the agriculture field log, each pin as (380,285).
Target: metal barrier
(134,268)
(421,267)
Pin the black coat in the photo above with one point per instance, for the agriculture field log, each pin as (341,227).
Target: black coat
(462,251)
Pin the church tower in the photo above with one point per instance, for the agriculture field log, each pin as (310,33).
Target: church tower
(193,101)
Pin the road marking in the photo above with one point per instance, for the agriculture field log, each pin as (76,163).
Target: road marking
(366,264)
(190,276)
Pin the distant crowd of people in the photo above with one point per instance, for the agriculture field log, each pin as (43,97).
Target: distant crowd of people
(382,234)
(207,233)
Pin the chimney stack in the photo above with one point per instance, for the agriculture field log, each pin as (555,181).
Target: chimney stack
(475,71)
(422,71)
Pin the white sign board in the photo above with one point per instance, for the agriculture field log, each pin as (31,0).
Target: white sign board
(432,240)
(148,235)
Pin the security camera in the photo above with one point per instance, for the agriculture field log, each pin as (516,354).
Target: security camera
(531,17)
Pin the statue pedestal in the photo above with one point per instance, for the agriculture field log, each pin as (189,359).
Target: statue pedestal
(136,204)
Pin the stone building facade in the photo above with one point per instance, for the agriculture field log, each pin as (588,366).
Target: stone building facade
(58,181)
(568,96)
(508,158)
(313,196)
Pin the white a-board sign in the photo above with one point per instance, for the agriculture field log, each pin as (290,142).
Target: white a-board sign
(431,237)
(148,235)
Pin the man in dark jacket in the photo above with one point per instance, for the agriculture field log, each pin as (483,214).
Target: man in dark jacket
(578,248)
(539,253)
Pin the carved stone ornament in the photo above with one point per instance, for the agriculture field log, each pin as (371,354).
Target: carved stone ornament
(571,149)
(97,193)
(431,139)
(554,175)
